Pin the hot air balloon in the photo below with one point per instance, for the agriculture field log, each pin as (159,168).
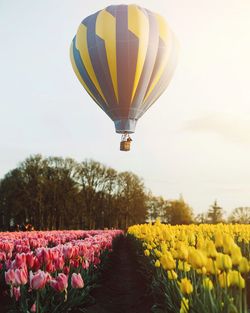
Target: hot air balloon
(124,56)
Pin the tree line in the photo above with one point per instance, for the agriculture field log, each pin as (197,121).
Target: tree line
(178,212)
(57,193)
(60,193)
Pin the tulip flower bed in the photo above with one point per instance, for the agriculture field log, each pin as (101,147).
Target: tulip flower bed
(52,271)
(203,268)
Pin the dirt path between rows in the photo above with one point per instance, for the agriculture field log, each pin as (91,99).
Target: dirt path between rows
(123,289)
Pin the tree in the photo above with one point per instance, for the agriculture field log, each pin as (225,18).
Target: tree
(157,208)
(215,214)
(57,193)
(41,192)
(12,199)
(240,215)
(178,212)
(201,218)
(95,180)
(131,199)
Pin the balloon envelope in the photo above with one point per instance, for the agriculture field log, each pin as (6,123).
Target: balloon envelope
(124,56)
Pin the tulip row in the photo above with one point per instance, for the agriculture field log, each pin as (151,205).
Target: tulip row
(203,268)
(53,278)
(18,242)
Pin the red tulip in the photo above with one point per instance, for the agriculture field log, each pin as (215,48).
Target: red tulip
(66,270)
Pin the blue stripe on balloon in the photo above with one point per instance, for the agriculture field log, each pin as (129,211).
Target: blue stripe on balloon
(84,74)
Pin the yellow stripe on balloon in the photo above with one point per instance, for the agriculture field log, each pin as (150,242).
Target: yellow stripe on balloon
(164,34)
(82,46)
(138,24)
(78,74)
(163,27)
(106,29)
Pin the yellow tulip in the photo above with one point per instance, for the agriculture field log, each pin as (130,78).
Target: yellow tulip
(197,259)
(207,283)
(236,254)
(236,279)
(228,243)
(157,263)
(172,275)
(186,286)
(223,262)
(157,253)
(211,250)
(184,305)
(182,252)
(183,266)
(211,267)
(244,266)
(218,239)
(167,262)
(202,270)
(224,280)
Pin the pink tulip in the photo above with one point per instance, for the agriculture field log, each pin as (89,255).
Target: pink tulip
(59,263)
(21,276)
(17,293)
(74,263)
(38,280)
(75,252)
(2,256)
(33,308)
(8,264)
(36,265)
(85,264)
(54,254)
(30,260)
(10,277)
(68,251)
(77,281)
(50,268)
(60,283)
(20,260)
(44,256)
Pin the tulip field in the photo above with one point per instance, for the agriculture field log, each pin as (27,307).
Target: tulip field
(51,271)
(187,269)
(203,268)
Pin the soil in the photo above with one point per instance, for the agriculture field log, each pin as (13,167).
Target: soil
(123,289)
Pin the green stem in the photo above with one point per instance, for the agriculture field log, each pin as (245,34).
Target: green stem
(37,302)
(240,294)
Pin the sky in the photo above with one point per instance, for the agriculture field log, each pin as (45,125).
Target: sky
(194,141)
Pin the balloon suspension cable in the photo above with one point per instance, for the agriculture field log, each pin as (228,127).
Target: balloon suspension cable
(125,142)
(126,137)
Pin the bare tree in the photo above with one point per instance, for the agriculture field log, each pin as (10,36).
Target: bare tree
(240,215)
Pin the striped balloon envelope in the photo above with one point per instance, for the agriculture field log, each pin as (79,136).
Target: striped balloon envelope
(124,56)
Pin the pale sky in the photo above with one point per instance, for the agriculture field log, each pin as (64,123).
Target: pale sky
(195,140)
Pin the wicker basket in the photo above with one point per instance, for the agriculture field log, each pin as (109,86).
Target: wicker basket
(125,145)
